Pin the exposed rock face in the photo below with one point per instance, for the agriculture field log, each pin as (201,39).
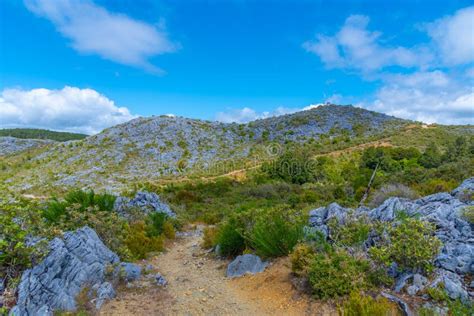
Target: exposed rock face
(77,260)
(11,145)
(130,271)
(456,257)
(244,264)
(145,201)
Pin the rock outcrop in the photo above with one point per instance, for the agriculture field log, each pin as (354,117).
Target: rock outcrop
(244,264)
(145,201)
(444,210)
(76,261)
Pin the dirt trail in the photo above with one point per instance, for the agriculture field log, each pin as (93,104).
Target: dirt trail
(197,286)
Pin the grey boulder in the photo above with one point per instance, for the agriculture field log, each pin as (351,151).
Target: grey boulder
(145,201)
(130,271)
(77,260)
(244,264)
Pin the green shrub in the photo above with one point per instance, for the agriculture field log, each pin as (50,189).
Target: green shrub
(154,224)
(209,237)
(365,305)
(300,258)
(230,239)
(139,244)
(294,166)
(337,273)
(56,209)
(410,244)
(169,230)
(468,214)
(353,233)
(275,233)
(458,308)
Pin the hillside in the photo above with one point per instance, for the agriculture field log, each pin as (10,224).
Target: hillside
(156,147)
(33,133)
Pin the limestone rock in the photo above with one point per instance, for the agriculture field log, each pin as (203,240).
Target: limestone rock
(77,260)
(244,264)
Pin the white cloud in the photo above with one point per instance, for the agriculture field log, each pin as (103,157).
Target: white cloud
(69,109)
(429,87)
(426,96)
(454,36)
(355,47)
(94,30)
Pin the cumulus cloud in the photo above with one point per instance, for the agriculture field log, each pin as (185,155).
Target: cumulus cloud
(454,36)
(94,30)
(355,47)
(69,109)
(426,96)
(429,87)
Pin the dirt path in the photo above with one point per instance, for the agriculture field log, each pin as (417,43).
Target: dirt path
(197,286)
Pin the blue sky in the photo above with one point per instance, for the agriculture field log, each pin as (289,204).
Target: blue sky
(86,65)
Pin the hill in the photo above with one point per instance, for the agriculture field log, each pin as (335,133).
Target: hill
(33,133)
(159,146)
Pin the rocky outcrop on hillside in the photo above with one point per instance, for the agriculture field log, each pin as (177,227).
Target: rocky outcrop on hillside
(11,145)
(151,147)
(75,262)
(144,201)
(445,211)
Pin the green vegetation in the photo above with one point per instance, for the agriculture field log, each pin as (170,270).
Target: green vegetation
(275,233)
(411,244)
(336,273)
(32,133)
(365,305)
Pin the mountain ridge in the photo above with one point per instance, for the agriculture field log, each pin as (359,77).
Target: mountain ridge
(153,147)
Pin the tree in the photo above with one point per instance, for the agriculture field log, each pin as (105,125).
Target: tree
(431,158)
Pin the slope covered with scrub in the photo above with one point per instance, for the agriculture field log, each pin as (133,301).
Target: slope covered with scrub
(156,147)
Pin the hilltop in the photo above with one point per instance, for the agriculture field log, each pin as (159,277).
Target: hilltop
(159,146)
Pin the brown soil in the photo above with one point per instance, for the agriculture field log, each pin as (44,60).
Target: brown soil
(197,286)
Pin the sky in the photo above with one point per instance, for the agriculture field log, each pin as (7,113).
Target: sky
(82,66)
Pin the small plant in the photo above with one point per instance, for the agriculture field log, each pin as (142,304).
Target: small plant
(337,273)
(353,233)
(210,237)
(230,239)
(275,234)
(139,244)
(365,305)
(411,245)
(301,258)
(468,214)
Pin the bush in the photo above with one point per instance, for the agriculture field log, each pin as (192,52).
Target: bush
(336,273)
(391,190)
(84,200)
(468,214)
(294,166)
(364,305)
(275,233)
(210,237)
(168,230)
(353,233)
(410,244)
(230,239)
(300,258)
(154,224)
(139,244)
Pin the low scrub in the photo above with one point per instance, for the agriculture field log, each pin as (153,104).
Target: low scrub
(230,238)
(411,244)
(275,233)
(336,273)
(358,304)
